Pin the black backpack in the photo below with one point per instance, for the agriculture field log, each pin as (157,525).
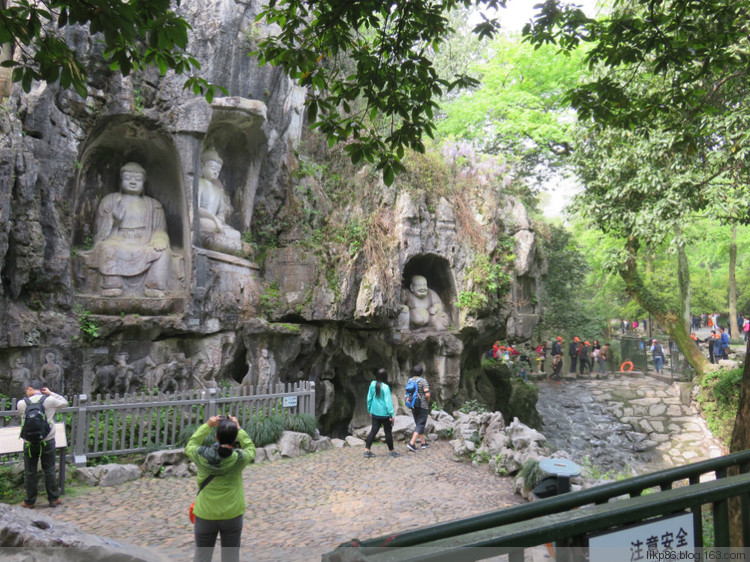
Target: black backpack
(35,426)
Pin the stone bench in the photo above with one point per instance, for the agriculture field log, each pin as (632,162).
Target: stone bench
(11,442)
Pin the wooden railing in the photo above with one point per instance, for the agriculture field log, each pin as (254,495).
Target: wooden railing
(133,423)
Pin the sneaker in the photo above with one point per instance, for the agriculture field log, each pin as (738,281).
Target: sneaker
(425,445)
(27,505)
(369,454)
(394,454)
(411,447)
(55,503)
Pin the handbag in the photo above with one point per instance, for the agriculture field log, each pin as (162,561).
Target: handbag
(192,505)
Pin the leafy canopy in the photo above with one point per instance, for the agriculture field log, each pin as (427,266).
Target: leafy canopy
(367,67)
(135,34)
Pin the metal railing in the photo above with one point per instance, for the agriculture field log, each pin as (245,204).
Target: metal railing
(118,425)
(520,527)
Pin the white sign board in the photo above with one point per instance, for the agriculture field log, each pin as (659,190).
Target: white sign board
(645,542)
(289,401)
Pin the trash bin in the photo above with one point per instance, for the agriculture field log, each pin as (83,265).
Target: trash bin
(560,472)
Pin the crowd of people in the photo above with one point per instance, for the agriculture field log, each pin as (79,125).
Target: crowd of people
(584,356)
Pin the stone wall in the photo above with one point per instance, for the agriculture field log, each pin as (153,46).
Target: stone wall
(82,309)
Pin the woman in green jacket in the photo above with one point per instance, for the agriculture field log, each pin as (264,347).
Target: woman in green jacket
(220,504)
(380,406)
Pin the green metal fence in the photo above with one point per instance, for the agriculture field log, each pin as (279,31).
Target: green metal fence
(518,528)
(635,350)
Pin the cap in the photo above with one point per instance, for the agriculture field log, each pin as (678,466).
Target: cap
(576,339)
(559,338)
(653,341)
(586,343)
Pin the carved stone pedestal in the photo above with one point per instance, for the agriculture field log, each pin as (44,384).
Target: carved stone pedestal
(144,306)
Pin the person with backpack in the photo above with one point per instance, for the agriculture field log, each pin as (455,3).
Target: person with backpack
(220,504)
(657,352)
(418,400)
(380,406)
(37,411)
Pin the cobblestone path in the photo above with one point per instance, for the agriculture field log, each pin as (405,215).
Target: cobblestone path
(300,508)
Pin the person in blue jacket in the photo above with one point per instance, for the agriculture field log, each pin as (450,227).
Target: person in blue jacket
(380,406)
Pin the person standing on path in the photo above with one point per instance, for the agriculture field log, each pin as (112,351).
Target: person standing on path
(220,504)
(657,352)
(746,326)
(44,449)
(583,358)
(602,359)
(380,406)
(723,344)
(573,350)
(421,410)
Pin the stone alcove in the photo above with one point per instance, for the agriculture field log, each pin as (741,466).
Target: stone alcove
(113,142)
(437,271)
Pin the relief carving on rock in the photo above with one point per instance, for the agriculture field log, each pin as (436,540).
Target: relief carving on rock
(214,206)
(424,307)
(132,258)
(51,374)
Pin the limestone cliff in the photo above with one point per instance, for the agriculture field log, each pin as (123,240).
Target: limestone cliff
(328,289)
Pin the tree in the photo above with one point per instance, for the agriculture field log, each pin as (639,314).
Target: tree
(135,34)
(366,65)
(518,109)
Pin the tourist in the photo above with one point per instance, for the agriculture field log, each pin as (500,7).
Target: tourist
(33,451)
(422,410)
(557,357)
(220,504)
(723,349)
(746,326)
(573,349)
(380,406)
(710,340)
(657,352)
(583,357)
(541,355)
(602,359)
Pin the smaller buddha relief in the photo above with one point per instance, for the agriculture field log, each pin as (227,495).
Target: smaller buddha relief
(214,207)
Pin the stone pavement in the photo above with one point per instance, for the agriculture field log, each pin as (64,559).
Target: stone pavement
(300,508)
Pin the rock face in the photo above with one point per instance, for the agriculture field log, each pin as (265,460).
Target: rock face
(41,538)
(301,308)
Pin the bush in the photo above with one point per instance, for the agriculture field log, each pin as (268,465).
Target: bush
(265,430)
(303,423)
(473,406)
(719,400)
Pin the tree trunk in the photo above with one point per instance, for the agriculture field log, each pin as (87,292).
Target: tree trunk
(733,329)
(667,319)
(683,278)
(740,442)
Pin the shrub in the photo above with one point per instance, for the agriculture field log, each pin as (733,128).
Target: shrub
(473,406)
(265,430)
(303,423)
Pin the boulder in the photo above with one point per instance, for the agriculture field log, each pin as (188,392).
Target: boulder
(294,444)
(41,537)
(354,441)
(108,474)
(322,444)
(272,452)
(521,436)
(158,459)
(338,443)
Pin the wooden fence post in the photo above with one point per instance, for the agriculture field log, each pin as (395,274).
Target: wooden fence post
(81,436)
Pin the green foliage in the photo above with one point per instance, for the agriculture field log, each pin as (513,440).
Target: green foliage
(531,473)
(88,326)
(270,299)
(471,300)
(303,423)
(445,433)
(264,429)
(490,277)
(367,70)
(719,401)
(134,35)
(518,110)
(473,406)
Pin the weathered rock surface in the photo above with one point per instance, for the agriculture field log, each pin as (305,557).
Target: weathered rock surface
(44,538)
(108,474)
(324,314)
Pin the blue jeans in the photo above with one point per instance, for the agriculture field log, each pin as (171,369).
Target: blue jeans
(659,363)
(32,453)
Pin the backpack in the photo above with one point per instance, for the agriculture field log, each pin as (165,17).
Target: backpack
(35,425)
(412,393)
